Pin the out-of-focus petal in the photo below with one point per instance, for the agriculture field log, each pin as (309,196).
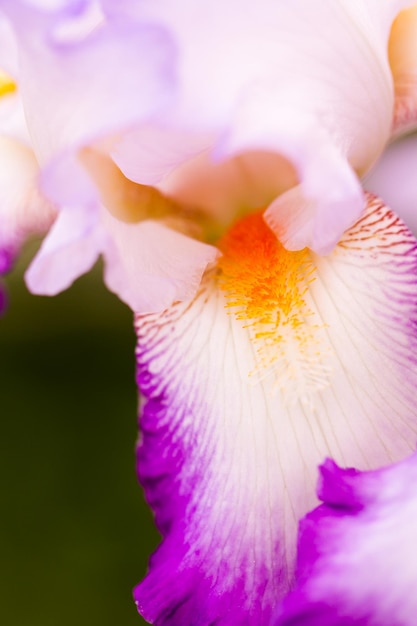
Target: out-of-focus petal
(242,398)
(403,62)
(3,300)
(147,265)
(76,92)
(71,248)
(357,561)
(273,82)
(394,179)
(12,119)
(8,49)
(23,211)
(85,81)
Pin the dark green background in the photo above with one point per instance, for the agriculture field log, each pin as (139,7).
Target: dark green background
(75,533)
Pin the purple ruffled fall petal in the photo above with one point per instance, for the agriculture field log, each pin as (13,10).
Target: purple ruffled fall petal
(357,561)
(231,439)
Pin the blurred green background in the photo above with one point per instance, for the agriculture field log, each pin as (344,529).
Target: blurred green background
(75,532)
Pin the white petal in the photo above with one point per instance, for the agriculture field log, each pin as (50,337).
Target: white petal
(239,411)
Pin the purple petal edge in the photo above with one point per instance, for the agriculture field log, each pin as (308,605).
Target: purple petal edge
(175,593)
(357,501)
(198,575)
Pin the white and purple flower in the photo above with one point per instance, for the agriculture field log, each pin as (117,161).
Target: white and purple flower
(214,154)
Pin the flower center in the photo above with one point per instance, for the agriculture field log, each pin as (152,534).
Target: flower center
(133,202)
(266,286)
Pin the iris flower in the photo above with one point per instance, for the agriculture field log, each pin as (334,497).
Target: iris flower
(214,155)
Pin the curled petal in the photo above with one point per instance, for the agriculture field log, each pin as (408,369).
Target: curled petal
(148,154)
(356,561)
(278,87)
(327,202)
(149,266)
(293,49)
(71,248)
(282,359)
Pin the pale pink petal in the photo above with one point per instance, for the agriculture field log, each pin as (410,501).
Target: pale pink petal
(226,189)
(70,249)
(310,83)
(150,266)
(149,153)
(68,86)
(147,265)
